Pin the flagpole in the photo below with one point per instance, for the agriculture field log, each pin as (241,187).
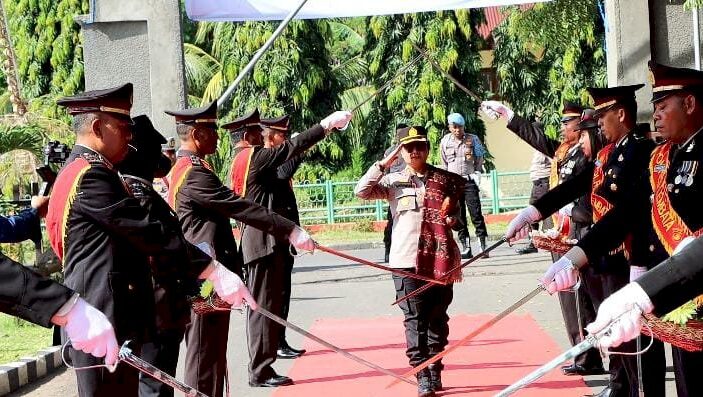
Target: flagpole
(259,54)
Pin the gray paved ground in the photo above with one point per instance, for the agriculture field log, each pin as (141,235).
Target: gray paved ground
(325,286)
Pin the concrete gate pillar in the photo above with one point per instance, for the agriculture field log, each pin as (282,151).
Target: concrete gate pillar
(629,49)
(137,41)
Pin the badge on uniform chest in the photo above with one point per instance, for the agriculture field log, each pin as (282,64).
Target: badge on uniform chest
(685,173)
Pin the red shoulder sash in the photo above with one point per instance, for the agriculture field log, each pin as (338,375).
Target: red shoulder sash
(240,171)
(62,197)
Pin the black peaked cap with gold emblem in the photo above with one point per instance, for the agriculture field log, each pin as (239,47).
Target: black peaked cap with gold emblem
(411,134)
(204,115)
(278,123)
(667,80)
(116,101)
(570,111)
(143,131)
(250,120)
(605,98)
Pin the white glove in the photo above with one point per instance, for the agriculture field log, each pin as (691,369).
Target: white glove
(300,239)
(229,286)
(476,177)
(686,241)
(339,120)
(495,109)
(629,302)
(91,332)
(566,210)
(519,227)
(560,276)
(637,272)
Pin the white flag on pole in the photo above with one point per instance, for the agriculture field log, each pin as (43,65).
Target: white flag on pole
(272,10)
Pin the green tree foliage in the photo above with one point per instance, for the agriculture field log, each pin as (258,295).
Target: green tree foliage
(548,54)
(47,45)
(423,95)
(293,77)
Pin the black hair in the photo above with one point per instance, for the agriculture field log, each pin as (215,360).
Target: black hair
(183,130)
(81,121)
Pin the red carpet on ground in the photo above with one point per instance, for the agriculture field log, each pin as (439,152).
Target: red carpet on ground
(503,354)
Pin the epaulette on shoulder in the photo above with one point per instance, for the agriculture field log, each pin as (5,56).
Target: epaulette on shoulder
(95,159)
(195,160)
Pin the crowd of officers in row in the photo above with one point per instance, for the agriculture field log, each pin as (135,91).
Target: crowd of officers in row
(633,203)
(129,257)
(132,261)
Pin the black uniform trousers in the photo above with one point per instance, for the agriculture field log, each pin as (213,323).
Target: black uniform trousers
(99,382)
(265,278)
(206,355)
(590,285)
(425,318)
(617,275)
(472,200)
(286,291)
(687,369)
(163,354)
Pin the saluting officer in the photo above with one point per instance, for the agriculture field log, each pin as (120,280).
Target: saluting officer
(423,201)
(617,176)
(204,207)
(104,236)
(254,176)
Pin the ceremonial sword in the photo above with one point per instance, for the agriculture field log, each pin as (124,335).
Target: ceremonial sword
(125,355)
(474,333)
(590,342)
(377,266)
(446,74)
(449,274)
(336,349)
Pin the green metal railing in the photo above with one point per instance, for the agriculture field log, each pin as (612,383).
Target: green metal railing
(335,202)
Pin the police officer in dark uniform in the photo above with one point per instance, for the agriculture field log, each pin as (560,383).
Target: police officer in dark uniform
(614,179)
(568,160)
(275,132)
(138,170)
(204,207)
(104,236)
(669,198)
(254,176)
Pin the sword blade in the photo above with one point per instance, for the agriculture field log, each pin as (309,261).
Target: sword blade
(488,324)
(587,343)
(126,356)
(330,346)
(483,254)
(377,266)
(446,74)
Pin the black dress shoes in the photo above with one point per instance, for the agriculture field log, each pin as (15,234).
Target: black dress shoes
(288,352)
(607,392)
(528,249)
(575,369)
(274,381)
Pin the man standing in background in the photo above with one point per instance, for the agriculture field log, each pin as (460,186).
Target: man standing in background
(540,168)
(463,153)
